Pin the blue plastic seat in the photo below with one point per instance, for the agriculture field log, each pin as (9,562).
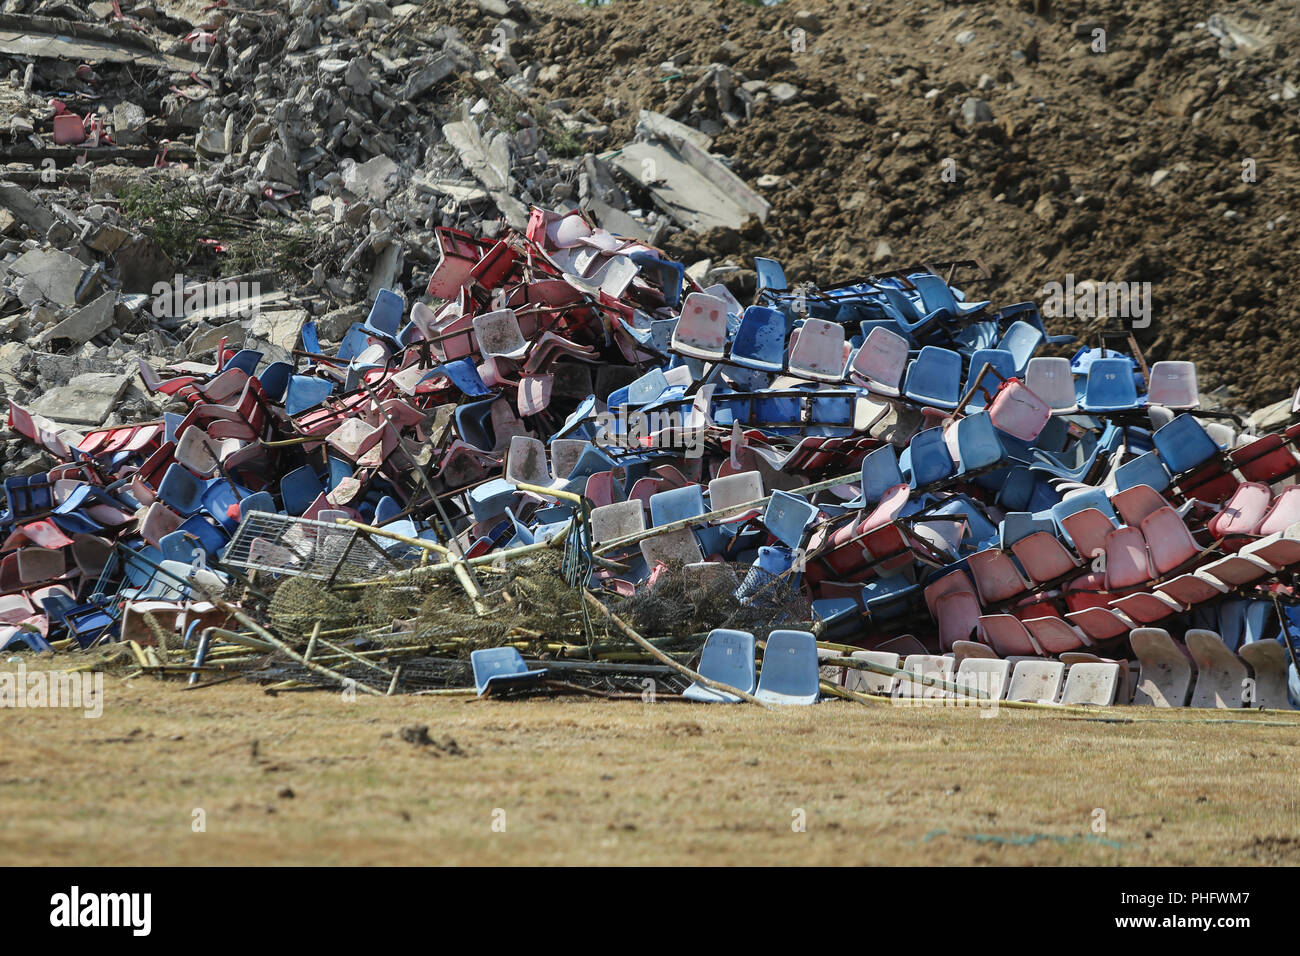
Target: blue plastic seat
(938,296)
(1003,363)
(299,488)
(474,423)
(498,669)
(787,517)
(1022,340)
(463,373)
(646,389)
(1145,469)
(978,445)
(934,378)
(926,459)
(671,275)
(304,392)
(759,343)
(387,509)
(1110,387)
(310,339)
(258,501)
(180,490)
(771,277)
(1028,312)
(728,658)
(1184,444)
(1077,461)
(221,501)
(385,315)
(245,360)
(789,674)
(912,319)
(491,498)
(275,380)
(880,472)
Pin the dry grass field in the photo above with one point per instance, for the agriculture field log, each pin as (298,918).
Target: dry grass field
(308,778)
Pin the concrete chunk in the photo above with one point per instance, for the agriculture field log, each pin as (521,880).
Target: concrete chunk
(86,400)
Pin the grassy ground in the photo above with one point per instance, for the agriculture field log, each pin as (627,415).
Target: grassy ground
(308,778)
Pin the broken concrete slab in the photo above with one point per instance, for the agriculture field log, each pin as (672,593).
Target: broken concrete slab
(26,208)
(86,400)
(84,324)
(279,327)
(373,179)
(47,274)
(689,185)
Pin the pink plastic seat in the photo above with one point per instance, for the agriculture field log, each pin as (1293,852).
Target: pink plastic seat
(1278,549)
(701,331)
(1173,384)
(1055,635)
(996,576)
(37,565)
(1284,512)
(1018,411)
(879,364)
(158,520)
(1134,504)
(1127,561)
(1088,529)
(1099,623)
(1145,608)
(1238,570)
(818,352)
(955,583)
(1169,542)
(1193,588)
(1043,557)
(1243,512)
(959,616)
(1007,635)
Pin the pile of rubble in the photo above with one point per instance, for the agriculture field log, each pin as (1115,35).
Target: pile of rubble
(303,369)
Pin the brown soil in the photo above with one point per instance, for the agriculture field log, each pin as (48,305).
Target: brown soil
(1059,182)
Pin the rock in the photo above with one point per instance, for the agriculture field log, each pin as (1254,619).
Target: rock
(1158,177)
(784,93)
(128,124)
(964,38)
(84,324)
(276,166)
(47,274)
(281,328)
(374,179)
(807,20)
(25,208)
(439,67)
(883,252)
(974,110)
(86,400)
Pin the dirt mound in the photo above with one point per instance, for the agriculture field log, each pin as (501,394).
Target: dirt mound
(1115,164)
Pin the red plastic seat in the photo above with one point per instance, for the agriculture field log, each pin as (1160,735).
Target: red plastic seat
(1127,561)
(1007,635)
(1099,623)
(958,616)
(1043,557)
(1243,512)
(996,576)
(1284,512)
(1146,608)
(1088,529)
(1169,542)
(1134,504)
(1055,635)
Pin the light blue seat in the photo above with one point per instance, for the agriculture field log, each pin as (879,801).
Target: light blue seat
(491,498)
(728,658)
(938,296)
(1029,313)
(926,459)
(275,380)
(1184,444)
(771,277)
(170,421)
(880,472)
(298,489)
(912,318)
(1110,387)
(1145,469)
(1022,340)
(310,338)
(645,389)
(787,517)
(772,561)
(1003,363)
(1077,461)
(180,490)
(760,341)
(356,341)
(498,669)
(789,674)
(304,392)
(1018,525)
(934,378)
(978,445)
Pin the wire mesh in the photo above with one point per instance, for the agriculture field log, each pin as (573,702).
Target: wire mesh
(281,544)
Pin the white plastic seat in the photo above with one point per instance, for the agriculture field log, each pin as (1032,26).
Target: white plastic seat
(1052,380)
(1173,385)
(1036,681)
(869,682)
(1220,674)
(1095,683)
(1166,676)
(818,352)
